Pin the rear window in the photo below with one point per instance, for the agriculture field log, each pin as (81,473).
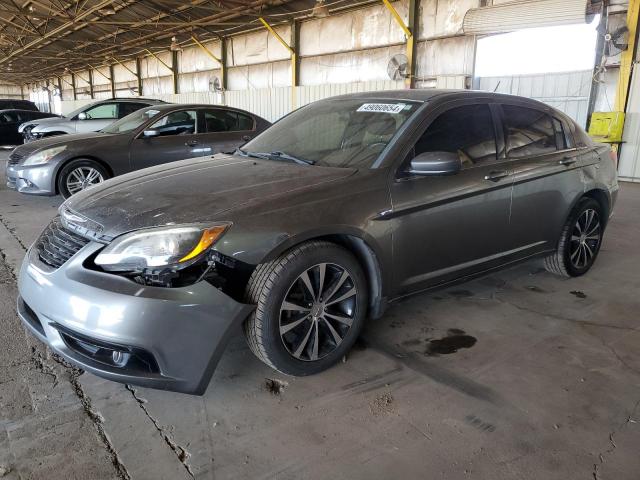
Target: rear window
(528,132)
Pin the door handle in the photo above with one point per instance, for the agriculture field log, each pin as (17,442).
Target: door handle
(496,175)
(191,143)
(568,161)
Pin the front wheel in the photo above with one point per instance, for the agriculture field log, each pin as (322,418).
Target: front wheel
(79,175)
(580,240)
(310,308)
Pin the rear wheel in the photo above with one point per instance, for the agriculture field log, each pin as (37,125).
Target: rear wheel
(310,308)
(580,240)
(79,175)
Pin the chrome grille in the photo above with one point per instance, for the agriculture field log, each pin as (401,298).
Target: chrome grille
(57,244)
(15,158)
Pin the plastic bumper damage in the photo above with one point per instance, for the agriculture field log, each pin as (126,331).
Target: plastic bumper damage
(164,338)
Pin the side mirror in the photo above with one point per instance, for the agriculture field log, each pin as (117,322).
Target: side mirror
(436,163)
(150,133)
(82,116)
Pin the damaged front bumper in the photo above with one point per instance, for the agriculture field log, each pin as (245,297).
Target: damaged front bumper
(164,338)
(34,179)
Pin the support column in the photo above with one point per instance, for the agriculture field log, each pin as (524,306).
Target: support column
(294,57)
(139,75)
(60,87)
(174,70)
(73,86)
(223,64)
(112,81)
(295,61)
(409,31)
(90,83)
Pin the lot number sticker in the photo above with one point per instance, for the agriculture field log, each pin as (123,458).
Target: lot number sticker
(393,108)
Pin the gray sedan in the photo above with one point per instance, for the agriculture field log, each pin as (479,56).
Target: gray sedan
(68,164)
(310,230)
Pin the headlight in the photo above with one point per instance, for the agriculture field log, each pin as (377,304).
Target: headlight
(44,155)
(176,247)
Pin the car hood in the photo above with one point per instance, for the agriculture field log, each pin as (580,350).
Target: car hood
(192,191)
(46,121)
(71,140)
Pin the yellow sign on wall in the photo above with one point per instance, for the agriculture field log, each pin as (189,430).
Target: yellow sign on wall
(607,126)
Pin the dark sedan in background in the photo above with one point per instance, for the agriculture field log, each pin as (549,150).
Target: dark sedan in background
(310,229)
(151,136)
(10,120)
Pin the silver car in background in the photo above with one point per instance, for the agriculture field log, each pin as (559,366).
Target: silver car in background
(89,118)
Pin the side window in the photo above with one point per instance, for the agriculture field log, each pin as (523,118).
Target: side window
(561,138)
(219,120)
(528,132)
(102,112)
(176,123)
(467,131)
(129,107)
(245,122)
(8,117)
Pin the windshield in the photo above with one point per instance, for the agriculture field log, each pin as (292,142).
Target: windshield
(132,121)
(335,133)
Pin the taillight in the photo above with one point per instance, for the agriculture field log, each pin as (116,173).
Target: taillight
(614,157)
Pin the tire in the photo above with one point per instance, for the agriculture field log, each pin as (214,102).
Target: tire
(69,174)
(287,313)
(577,251)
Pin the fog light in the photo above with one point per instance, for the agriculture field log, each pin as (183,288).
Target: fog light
(119,358)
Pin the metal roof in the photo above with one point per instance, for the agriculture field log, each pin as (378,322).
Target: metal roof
(39,38)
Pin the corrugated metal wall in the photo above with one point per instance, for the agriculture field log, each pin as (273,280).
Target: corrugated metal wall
(629,167)
(568,92)
(10,91)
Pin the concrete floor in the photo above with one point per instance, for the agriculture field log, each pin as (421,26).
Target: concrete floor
(545,385)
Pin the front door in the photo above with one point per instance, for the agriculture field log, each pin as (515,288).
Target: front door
(178,140)
(450,226)
(96,118)
(9,123)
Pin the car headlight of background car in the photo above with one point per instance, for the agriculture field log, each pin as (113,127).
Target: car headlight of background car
(43,156)
(175,247)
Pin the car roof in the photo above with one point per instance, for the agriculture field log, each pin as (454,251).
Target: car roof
(182,106)
(426,95)
(130,99)
(423,95)
(21,110)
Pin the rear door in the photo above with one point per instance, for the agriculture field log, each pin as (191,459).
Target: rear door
(450,226)
(178,140)
(547,174)
(126,108)
(225,130)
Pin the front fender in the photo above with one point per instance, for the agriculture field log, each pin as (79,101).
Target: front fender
(52,128)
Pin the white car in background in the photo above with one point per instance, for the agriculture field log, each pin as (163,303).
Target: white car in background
(89,118)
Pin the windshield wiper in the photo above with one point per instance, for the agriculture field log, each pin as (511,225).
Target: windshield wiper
(275,156)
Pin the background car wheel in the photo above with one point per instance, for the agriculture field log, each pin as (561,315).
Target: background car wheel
(310,308)
(78,175)
(580,240)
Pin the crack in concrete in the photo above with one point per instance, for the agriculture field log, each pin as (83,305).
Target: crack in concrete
(42,366)
(96,418)
(561,318)
(182,453)
(612,443)
(12,232)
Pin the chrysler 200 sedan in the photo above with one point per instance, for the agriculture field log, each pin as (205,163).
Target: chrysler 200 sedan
(67,164)
(309,230)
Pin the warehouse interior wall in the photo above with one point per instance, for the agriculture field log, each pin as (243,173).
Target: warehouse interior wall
(342,53)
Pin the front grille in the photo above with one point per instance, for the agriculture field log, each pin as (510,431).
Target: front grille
(15,158)
(57,244)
